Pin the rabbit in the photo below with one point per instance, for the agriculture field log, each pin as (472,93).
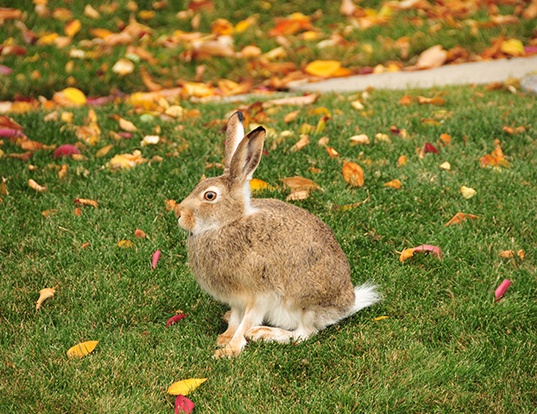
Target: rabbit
(270,261)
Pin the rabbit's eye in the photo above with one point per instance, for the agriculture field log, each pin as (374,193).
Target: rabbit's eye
(209,196)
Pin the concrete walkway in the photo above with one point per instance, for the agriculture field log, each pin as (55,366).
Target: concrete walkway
(459,74)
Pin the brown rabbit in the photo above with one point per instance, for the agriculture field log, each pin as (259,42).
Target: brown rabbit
(270,261)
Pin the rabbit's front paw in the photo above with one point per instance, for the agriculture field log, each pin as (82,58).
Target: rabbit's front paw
(227,351)
(224,339)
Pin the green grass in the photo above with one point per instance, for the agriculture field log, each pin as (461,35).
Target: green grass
(446,346)
(45,69)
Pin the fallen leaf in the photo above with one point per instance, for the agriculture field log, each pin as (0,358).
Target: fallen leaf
(437,100)
(433,57)
(256,185)
(459,218)
(292,100)
(291,25)
(500,290)
(150,140)
(70,97)
(65,150)
(154,259)
(3,187)
(123,67)
(183,405)
(513,47)
(507,254)
(48,213)
(494,159)
(126,125)
(361,139)
(467,192)
(298,183)
(291,116)
(140,234)
(298,195)
(86,202)
(332,152)
(62,174)
(521,254)
(44,294)
(125,244)
(394,184)
(347,8)
(82,349)
(427,248)
(402,160)
(353,174)
(427,148)
(184,387)
(170,205)
(126,161)
(104,151)
(406,100)
(72,28)
(446,166)
(380,318)
(301,143)
(323,68)
(34,186)
(175,319)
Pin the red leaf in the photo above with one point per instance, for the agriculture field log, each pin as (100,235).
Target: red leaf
(429,249)
(428,147)
(66,150)
(500,290)
(183,405)
(155,258)
(174,319)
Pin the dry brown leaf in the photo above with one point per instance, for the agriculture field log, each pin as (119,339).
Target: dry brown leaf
(433,57)
(298,195)
(62,174)
(353,174)
(301,143)
(3,187)
(507,254)
(86,202)
(332,152)
(44,294)
(34,186)
(293,100)
(459,218)
(298,183)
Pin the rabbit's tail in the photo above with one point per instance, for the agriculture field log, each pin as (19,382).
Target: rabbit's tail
(364,296)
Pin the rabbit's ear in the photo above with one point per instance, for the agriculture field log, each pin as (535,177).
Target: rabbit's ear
(234,136)
(247,155)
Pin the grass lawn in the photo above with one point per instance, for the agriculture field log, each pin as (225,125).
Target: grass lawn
(446,345)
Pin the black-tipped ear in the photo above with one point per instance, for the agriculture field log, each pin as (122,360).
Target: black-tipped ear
(247,155)
(234,135)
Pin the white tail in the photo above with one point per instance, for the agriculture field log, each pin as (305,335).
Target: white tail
(365,295)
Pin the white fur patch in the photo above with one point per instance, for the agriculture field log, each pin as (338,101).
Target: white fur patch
(248,209)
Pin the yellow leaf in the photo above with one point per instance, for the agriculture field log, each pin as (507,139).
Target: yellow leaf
(361,139)
(82,349)
(468,192)
(406,254)
(75,96)
(47,39)
(445,166)
(125,244)
(101,33)
(72,28)
(353,174)
(256,184)
(185,386)
(323,68)
(44,294)
(126,161)
(104,151)
(512,47)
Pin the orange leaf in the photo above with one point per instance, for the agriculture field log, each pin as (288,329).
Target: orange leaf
(291,25)
(86,202)
(459,218)
(353,174)
(394,184)
(72,28)
(494,159)
(298,183)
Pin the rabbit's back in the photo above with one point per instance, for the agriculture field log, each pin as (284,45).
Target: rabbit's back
(280,251)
